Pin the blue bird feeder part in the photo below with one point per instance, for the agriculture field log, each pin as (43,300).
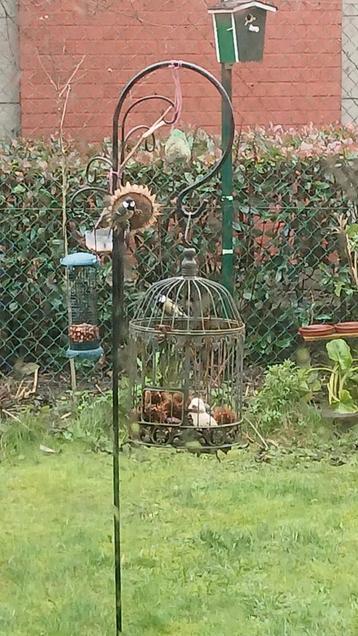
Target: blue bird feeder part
(83,331)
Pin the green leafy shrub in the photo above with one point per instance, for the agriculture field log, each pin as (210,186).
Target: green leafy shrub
(283,397)
(342,385)
(92,420)
(289,268)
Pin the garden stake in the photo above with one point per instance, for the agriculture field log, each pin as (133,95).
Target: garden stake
(117,323)
(227,188)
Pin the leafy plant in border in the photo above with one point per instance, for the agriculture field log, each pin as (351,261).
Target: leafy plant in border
(286,390)
(343,379)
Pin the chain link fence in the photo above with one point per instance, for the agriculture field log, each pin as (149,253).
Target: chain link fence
(350,62)
(291,266)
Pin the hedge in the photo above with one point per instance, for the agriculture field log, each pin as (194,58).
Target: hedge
(290,267)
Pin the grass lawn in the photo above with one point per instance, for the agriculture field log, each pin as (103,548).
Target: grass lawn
(234,548)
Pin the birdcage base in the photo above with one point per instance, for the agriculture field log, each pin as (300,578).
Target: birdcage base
(85,354)
(190,438)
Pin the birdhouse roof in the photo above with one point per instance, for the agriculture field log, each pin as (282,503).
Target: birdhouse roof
(233,6)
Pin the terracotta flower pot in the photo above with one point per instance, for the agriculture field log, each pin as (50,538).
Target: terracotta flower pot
(347,327)
(315,331)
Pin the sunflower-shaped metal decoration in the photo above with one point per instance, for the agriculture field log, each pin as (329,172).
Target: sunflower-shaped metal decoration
(131,207)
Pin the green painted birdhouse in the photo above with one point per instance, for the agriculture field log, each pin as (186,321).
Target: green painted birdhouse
(239,27)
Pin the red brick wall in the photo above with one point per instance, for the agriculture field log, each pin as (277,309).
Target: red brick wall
(298,83)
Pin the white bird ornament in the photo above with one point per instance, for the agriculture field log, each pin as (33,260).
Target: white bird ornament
(198,414)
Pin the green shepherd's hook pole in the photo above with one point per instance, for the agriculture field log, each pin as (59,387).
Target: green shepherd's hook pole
(227,207)
(118,320)
(118,313)
(227,187)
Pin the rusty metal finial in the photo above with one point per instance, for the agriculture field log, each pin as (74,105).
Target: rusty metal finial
(189,265)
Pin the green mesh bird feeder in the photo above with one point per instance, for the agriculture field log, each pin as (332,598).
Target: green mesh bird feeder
(83,330)
(239,28)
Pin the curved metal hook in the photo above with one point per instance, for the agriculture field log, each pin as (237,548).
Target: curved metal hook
(146,98)
(187,213)
(90,189)
(97,159)
(147,147)
(141,100)
(215,82)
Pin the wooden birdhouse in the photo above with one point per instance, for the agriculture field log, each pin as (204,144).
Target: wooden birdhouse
(239,27)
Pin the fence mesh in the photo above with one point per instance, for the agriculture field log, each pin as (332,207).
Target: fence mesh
(289,270)
(350,63)
(290,263)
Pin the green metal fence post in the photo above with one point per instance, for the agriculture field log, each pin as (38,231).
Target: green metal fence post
(239,37)
(227,188)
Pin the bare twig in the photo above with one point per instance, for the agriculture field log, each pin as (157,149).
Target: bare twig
(19,389)
(11,415)
(50,79)
(63,95)
(272,442)
(266,446)
(72,76)
(36,381)
(63,115)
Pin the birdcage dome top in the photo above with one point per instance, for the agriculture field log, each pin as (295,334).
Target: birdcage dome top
(187,304)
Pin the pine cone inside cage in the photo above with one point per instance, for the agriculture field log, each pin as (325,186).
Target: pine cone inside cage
(162,406)
(224,415)
(176,405)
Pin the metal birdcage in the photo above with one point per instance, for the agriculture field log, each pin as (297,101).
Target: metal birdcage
(186,353)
